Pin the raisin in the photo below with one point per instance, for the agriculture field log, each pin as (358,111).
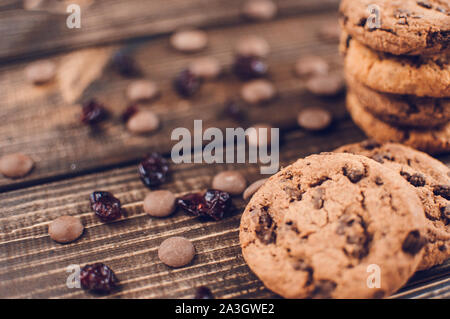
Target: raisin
(203,292)
(265,229)
(124,65)
(153,170)
(249,67)
(187,83)
(98,278)
(105,206)
(129,112)
(413,242)
(93,112)
(213,204)
(442,190)
(354,175)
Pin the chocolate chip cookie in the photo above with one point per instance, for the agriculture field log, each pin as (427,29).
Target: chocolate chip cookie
(402,110)
(407,27)
(317,227)
(433,141)
(430,179)
(418,75)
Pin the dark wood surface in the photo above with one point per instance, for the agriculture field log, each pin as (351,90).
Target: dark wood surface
(72,160)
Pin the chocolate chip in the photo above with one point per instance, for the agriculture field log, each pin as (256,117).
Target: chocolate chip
(353,174)
(417,180)
(379,181)
(413,243)
(424,4)
(231,182)
(314,119)
(323,289)
(442,190)
(159,203)
(294,193)
(265,229)
(189,40)
(176,251)
(318,198)
(65,229)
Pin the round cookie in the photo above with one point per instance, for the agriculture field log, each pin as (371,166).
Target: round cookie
(407,27)
(433,141)
(402,110)
(430,179)
(419,76)
(318,226)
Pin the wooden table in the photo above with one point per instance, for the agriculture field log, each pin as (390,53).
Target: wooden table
(72,160)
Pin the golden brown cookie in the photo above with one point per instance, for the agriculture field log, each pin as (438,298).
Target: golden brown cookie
(317,229)
(430,179)
(418,75)
(411,27)
(433,141)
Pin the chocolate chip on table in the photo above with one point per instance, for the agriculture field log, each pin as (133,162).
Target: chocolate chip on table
(159,203)
(124,65)
(314,119)
(105,205)
(187,83)
(206,68)
(40,72)
(253,188)
(65,229)
(252,45)
(231,182)
(413,243)
(325,85)
(203,292)
(311,65)
(142,90)
(176,252)
(189,40)
(259,9)
(153,170)
(143,121)
(98,278)
(258,91)
(254,138)
(213,204)
(93,112)
(15,165)
(250,67)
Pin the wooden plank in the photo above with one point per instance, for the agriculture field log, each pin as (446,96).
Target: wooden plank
(44,122)
(33,266)
(108,21)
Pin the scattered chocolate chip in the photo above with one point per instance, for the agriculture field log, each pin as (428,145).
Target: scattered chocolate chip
(214,204)
(105,205)
(65,229)
(176,251)
(153,170)
(144,121)
(314,119)
(15,165)
(252,45)
(231,182)
(413,243)
(442,190)
(265,228)
(159,203)
(253,188)
(187,83)
(205,68)
(311,65)
(93,112)
(258,91)
(124,65)
(249,67)
(98,278)
(325,85)
(353,174)
(203,292)
(142,90)
(40,72)
(416,179)
(259,9)
(189,40)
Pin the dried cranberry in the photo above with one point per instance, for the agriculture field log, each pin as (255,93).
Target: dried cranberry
(93,112)
(250,67)
(124,65)
(153,170)
(234,110)
(203,292)
(213,204)
(129,112)
(187,83)
(105,206)
(98,278)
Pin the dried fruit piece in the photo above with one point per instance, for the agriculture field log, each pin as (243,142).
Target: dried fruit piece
(213,203)
(93,112)
(98,278)
(187,83)
(105,206)
(153,170)
(249,67)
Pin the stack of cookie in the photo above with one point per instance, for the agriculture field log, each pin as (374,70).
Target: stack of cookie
(397,70)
